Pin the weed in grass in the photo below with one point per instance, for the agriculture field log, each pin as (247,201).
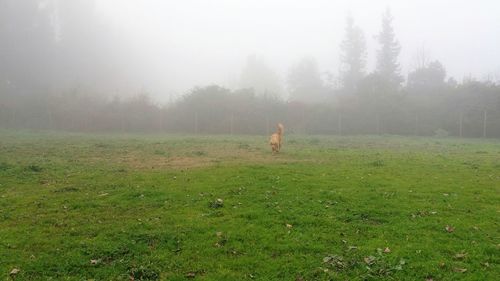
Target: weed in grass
(199,153)
(161,153)
(66,189)
(34,168)
(147,272)
(4,166)
(217,203)
(314,141)
(102,145)
(335,262)
(244,146)
(378,163)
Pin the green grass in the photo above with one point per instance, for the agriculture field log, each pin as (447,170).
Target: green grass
(108,207)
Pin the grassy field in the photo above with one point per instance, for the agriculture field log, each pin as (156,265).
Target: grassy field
(154,207)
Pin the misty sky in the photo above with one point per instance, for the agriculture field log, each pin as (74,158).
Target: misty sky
(179,44)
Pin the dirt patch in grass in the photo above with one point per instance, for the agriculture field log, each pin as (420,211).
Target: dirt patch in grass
(212,156)
(176,162)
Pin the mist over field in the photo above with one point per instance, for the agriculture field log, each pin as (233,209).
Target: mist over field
(202,42)
(129,65)
(249,140)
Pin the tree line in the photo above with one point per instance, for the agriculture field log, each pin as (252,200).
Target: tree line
(469,109)
(383,101)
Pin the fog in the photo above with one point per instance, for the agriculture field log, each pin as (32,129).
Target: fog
(152,65)
(186,43)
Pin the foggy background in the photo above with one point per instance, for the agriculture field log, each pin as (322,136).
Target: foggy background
(167,47)
(199,42)
(156,65)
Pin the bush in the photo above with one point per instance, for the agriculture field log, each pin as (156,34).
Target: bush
(440,133)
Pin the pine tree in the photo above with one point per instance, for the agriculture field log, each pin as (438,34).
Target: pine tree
(353,56)
(387,65)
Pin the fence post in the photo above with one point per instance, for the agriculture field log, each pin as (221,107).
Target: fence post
(485,116)
(461,122)
(161,120)
(340,123)
(231,120)
(378,123)
(50,125)
(87,120)
(122,121)
(49,113)
(196,122)
(13,117)
(267,125)
(416,124)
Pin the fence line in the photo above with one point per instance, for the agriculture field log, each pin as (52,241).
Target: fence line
(460,123)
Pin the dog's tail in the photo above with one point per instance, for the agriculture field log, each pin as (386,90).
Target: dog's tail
(281,129)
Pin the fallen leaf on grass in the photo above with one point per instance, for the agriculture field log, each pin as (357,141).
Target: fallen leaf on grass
(218,203)
(335,261)
(369,260)
(461,270)
(400,265)
(460,256)
(386,250)
(94,261)
(289,225)
(299,278)
(14,271)
(190,275)
(449,228)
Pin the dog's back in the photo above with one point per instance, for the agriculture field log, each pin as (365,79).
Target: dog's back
(275,139)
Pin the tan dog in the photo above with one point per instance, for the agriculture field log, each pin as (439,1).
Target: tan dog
(276,138)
